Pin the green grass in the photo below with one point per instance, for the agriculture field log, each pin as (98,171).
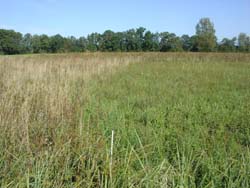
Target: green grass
(179,120)
(177,124)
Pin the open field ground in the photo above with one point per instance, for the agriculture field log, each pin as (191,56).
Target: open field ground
(179,120)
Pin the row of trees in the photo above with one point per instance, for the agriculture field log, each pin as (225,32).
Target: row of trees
(137,40)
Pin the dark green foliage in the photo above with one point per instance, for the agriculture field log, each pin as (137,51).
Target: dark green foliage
(132,40)
(26,43)
(170,43)
(44,44)
(81,44)
(186,43)
(151,42)
(110,41)
(93,42)
(140,38)
(36,44)
(10,42)
(56,43)
(194,42)
(41,44)
(227,45)
(244,42)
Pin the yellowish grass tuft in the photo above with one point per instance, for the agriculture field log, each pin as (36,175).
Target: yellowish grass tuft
(47,91)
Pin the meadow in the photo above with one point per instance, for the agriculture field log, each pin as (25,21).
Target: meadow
(125,120)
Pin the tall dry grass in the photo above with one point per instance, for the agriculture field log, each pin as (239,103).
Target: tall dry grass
(47,91)
(41,100)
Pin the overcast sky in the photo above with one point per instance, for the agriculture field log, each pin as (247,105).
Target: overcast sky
(80,17)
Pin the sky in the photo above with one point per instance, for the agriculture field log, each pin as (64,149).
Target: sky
(81,17)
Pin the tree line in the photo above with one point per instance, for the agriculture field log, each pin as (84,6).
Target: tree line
(133,40)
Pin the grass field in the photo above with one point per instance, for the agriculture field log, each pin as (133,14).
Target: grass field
(178,120)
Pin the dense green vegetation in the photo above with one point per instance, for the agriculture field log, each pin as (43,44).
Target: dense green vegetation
(179,120)
(133,40)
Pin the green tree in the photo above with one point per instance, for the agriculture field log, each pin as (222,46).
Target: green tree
(109,41)
(148,42)
(151,41)
(81,44)
(93,42)
(156,42)
(41,44)
(10,42)
(194,43)
(131,42)
(206,39)
(122,41)
(26,43)
(186,42)
(244,42)
(44,44)
(170,42)
(36,44)
(227,45)
(70,44)
(140,38)
(56,44)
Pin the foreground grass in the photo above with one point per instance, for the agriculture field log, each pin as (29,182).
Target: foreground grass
(179,120)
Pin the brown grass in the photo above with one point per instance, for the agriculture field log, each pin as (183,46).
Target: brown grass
(47,91)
